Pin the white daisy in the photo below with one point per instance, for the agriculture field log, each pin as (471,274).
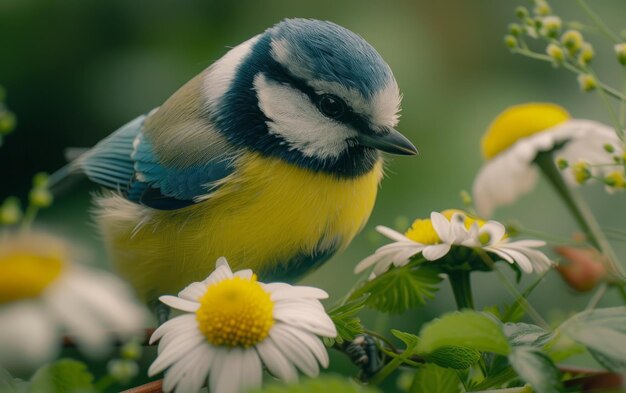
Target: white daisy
(232,325)
(43,296)
(434,239)
(519,134)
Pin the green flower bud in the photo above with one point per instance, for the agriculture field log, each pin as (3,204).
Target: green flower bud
(10,211)
(542,8)
(40,180)
(551,26)
(620,52)
(510,41)
(586,54)
(572,40)
(556,53)
(609,148)
(581,171)
(8,121)
(587,82)
(521,12)
(40,197)
(515,29)
(131,350)
(123,370)
(615,179)
(562,163)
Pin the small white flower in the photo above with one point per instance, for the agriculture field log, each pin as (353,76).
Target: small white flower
(434,238)
(232,325)
(519,134)
(43,296)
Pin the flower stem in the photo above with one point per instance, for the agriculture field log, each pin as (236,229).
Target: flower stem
(462,288)
(598,21)
(580,211)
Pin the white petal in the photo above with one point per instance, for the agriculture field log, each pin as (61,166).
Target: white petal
(391,234)
(178,349)
(180,304)
(312,342)
(522,260)
(298,291)
(294,351)
(179,370)
(230,378)
(173,325)
(246,274)
(495,230)
(275,361)
(221,272)
(441,226)
(251,370)
(436,251)
(197,377)
(193,291)
(315,322)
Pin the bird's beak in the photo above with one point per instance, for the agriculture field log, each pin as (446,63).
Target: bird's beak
(392,142)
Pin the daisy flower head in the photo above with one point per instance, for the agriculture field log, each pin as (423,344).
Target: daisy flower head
(516,138)
(232,325)
(44,296)
(453,239)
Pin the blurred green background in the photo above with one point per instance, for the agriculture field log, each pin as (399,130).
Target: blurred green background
(75,70)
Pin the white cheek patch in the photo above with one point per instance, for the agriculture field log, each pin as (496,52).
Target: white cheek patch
(386,106)
(296,120)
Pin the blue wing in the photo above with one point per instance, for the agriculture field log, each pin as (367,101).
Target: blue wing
(126,161)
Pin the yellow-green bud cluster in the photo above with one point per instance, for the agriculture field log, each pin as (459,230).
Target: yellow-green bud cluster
(131,350)
(620,52)
(581,171)
(123,370)
(562,163)
(556,53)
(586,54)
(615,180)
(40,196)
(587,82)
(10,211)
(551,26)
(542,8)
(8,121)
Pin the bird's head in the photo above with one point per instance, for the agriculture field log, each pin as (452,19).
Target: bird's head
(315,94)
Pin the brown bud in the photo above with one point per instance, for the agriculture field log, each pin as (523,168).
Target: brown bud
(583,269)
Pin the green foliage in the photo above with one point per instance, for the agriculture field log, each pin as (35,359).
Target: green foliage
(526,334)
(432,378)
(458,358)
(7,383)
(410,340)
(346,321)
(468,329)
(325,383)
(535,368)
(603,333)
(62,376)
(401,289)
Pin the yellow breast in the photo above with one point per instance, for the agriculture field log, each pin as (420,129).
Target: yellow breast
(264,214)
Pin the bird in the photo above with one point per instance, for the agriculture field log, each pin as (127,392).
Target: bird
(270,157)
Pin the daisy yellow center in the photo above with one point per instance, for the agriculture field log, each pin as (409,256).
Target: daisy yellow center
(24,275)
(520,121)
(422,231)
(235,312)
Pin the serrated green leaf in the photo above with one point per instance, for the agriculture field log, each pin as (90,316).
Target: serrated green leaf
(62,376)
(458,358)
(468,329)
(410,340)
(346,321)
(324,383)
(432,378)
(526,334)
(536,369)
(401,289)
(603,333)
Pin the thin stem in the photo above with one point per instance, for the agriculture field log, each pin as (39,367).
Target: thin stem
(545,236)
(579,210)
(29,217)
(614,116)
(598,21)
(538,56)
(392,366)
(150,387)
(462,288)
(528,309)
(595,299)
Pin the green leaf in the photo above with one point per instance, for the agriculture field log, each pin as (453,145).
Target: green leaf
(62,376)
(435,379)
(468,329)
(401,289)
(603,333)
(324,383)
(346,321)
(410,340)
(526,334)
(536,369)
(458,358)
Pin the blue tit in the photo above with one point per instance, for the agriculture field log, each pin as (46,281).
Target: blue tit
(269,157)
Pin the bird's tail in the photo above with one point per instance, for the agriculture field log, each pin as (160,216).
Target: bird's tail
(69,175)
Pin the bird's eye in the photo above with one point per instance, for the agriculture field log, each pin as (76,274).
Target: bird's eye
(332,106)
